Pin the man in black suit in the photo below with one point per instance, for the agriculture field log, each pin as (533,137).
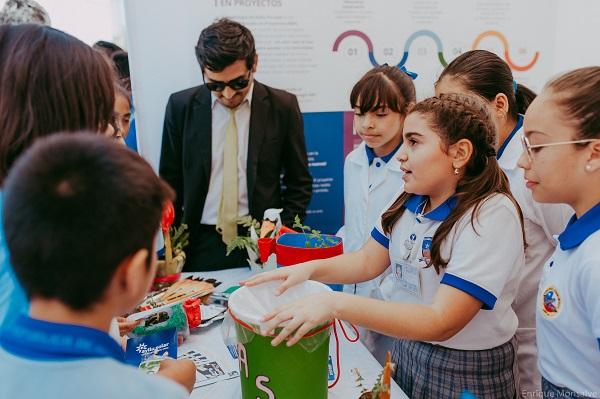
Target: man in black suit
(231,147)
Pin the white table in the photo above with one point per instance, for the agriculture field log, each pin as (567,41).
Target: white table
(353,355)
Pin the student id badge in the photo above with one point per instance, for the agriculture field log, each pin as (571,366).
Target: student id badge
(408,277)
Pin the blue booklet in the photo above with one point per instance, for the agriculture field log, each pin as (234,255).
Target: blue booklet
(148,351)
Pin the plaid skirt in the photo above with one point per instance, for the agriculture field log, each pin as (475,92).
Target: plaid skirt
(431,371)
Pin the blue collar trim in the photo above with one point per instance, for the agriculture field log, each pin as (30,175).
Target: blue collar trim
(415,204)
(42,340)
(578,230)
(510,136)
(371,154)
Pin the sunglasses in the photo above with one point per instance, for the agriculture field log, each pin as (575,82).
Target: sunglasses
(236,84)
(527,147)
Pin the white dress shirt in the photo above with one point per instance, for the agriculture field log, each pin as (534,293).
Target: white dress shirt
(220,120)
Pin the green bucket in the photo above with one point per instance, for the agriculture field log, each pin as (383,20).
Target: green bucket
(296,372)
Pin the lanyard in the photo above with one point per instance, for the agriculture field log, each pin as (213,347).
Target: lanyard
(43,340)
(409,243)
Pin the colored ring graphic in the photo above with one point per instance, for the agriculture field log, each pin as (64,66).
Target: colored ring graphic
(426,33)
(440,49)
(360,34)
(502,38)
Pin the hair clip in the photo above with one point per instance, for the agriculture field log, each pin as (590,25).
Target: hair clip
(515,85)
(412,75)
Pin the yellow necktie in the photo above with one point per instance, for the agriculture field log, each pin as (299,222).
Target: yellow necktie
(228,209)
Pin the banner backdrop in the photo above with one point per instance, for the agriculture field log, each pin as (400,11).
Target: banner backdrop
(319,49)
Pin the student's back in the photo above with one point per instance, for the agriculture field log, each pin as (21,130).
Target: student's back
(87,378)
(63,196)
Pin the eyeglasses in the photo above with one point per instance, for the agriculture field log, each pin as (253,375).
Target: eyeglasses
(236,84)
(527,147)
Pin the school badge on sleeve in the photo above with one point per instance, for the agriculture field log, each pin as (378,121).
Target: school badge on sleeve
(550,304)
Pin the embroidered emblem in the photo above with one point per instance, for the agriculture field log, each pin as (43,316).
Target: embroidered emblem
(426,250)
(550,302)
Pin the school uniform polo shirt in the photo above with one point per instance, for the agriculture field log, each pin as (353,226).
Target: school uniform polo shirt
(568,308)
(377,167)
(370,182)
(39,359)
(542,223)
(484,261)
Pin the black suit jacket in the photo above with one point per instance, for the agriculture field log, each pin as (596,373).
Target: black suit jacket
(275,146)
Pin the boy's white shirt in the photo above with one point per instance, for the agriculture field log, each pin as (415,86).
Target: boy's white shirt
(485,257)
(569,341)
(87,378)
(363,205)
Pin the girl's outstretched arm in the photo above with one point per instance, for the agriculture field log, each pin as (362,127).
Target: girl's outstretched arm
(451,310)
(365,264)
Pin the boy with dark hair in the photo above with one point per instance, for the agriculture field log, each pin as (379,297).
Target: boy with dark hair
(232,147)
(80,217)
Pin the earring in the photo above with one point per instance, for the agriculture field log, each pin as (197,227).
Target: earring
(456,171)
(588,168)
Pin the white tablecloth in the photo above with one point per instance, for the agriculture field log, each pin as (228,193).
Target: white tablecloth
(353,355)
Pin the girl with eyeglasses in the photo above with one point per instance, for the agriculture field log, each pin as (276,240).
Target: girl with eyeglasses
(484,74)
(561,161)
(372,175)
(454,326)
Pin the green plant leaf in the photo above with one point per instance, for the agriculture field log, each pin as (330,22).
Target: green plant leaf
(179,237)
(241,242)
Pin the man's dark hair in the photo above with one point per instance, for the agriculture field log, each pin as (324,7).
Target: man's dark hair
(119,59)
(50,82)
(223,43)
(75,207)
(107,48)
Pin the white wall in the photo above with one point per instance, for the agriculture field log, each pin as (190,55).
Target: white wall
(577,34)
(88,20)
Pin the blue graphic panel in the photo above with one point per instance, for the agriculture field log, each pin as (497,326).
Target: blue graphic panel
(325,147)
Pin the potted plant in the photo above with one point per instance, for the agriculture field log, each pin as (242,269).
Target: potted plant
(259,242)
(171,258)
(310,244)
(247,242)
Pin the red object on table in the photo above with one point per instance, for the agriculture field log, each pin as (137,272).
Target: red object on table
(266,246)
(193,312)
(290,249)
(168,216)
(171,278)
